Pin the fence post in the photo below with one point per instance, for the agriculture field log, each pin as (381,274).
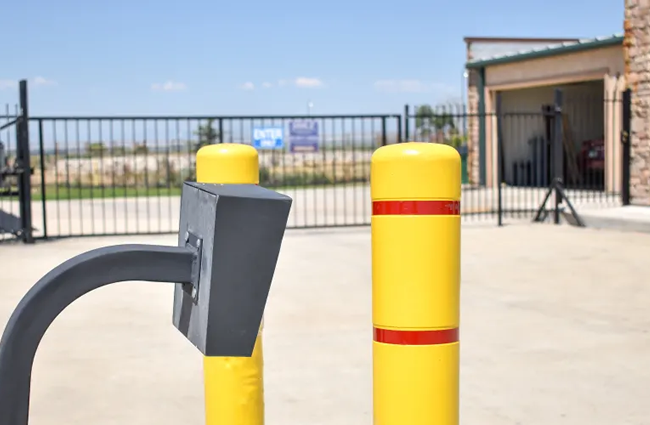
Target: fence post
(415,228)
(41,149)
(500,162)
(383,131)
(626,139)
(407,136)
(234,386)
(24,165)
(399,130)
(558,153)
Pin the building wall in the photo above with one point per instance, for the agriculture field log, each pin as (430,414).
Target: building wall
(606,64)
(473,160)
(613,116)
(560,69)
(637,71)
(480,49)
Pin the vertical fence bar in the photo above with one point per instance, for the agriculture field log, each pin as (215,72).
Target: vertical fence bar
(399,130)
(41,149)
(384,140)
(24,162)
(345,189)
(102,188)
(405,117)
(80,189)
(499,160)
(87,156)
(415,191)
(111,136)
(626,137)
(558,152)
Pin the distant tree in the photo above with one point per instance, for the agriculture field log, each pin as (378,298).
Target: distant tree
(206,134)
(429,123)
(95,148)
(117,149)
(443,122)
(456,139)
(424,121)
(140,147)
(379,140)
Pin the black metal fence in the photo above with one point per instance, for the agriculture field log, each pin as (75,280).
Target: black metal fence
(15,171)
(123,175)
(9,214)
(509,176)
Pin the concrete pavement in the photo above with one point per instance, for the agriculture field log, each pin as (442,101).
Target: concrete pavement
(554,330)
(635,218)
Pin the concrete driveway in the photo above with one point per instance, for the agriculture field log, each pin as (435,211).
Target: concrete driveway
(555,330)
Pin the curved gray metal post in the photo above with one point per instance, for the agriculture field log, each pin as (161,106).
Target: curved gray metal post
(58,289)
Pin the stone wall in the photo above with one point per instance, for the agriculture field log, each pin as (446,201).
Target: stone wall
(637,72)
(473,164)
(473,158)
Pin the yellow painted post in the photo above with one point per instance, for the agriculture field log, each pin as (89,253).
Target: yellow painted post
(234,386)
(415,191)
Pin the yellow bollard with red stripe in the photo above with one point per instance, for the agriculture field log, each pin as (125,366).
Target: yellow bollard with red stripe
(234,386)
(415,225)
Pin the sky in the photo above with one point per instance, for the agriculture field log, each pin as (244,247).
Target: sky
(262,58)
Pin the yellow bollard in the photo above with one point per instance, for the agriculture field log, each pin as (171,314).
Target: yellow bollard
(234,386)
(415,191)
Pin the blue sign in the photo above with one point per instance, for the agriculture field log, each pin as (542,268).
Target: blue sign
(268,138)
(303,136)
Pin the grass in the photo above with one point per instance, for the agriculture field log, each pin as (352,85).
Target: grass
(64,193)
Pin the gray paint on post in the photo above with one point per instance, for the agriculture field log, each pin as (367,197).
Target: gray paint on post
(241,229)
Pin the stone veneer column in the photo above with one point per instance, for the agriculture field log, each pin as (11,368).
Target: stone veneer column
(637,73)
(473,165)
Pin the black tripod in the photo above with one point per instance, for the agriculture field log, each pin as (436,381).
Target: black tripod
(560,196)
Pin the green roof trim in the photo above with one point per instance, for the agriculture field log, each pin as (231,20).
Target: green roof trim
(548,51)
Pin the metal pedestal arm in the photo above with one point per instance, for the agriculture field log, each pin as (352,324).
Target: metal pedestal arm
(58,289)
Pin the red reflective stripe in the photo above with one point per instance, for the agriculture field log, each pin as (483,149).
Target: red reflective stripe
(430,337)
(416,208)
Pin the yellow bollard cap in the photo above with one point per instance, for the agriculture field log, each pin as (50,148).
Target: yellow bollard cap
(227,163)
(415,170)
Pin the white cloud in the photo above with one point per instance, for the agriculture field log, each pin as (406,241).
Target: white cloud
(307,82)
(413,86)
(169,86)
(8,84)
(42,81)
(282,83)
(37,81)
(267,85)
(247,86)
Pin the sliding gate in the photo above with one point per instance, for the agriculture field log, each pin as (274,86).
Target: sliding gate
(15,172)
